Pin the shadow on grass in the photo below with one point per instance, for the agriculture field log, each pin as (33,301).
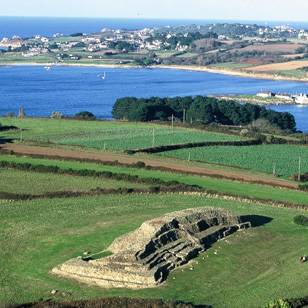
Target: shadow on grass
(113,303)
(257,220)
(4,140)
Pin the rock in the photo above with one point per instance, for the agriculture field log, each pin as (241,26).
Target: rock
(145,257)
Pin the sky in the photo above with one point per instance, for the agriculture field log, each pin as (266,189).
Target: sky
(270,10)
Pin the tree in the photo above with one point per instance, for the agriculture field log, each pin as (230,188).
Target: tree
(202,109)
(85,115)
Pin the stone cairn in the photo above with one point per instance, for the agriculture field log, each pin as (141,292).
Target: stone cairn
(145,257)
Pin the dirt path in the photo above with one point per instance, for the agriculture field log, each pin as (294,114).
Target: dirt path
(174,165)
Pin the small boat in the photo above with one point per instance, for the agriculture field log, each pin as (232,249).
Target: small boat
(47,68)
(103,77)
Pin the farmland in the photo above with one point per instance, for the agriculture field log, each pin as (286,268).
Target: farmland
(262,158)
(291,65)
(224,186)
(109,135)
(37,235)
(69,185)
(35,183)
(273,48)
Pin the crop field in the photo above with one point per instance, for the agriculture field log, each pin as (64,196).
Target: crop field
(35,183)
(262,158)
(291,65)
(224,186)
(109,135)
(249,269)
(272,48)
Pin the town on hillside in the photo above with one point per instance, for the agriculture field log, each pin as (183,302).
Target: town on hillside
(280,51)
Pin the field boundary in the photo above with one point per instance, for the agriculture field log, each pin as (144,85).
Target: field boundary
(262,202)
(203,192)
(98,192)
(149,163)
(171,147)
(92,173)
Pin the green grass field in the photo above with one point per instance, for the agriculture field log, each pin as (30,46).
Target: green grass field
(15,57)
(258,158)
(250,269)
(35,183)
(105,134)
(224,186)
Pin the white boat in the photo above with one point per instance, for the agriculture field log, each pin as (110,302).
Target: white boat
(102,76)
(47,68)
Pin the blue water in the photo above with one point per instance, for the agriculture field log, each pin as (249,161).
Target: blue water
(31,26)
(73,89)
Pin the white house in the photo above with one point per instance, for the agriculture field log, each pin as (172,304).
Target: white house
(265,94)
(301,99)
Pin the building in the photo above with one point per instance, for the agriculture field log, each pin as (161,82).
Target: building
(11,43)
(284,96)
(301,99)
(303,35)
(265,94)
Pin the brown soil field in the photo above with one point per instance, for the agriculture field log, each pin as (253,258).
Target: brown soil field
(272,48)
(160,164)
(256,61)
(285,66)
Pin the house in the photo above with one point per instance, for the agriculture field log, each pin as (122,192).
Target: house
(13,43)
(303,35)
(301,99)
(266,94)
(44,40)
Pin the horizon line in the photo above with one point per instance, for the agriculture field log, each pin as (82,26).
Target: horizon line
(161,19)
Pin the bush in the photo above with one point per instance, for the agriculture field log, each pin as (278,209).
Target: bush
(280,303)
(140,164)
(85,115)
(301,220)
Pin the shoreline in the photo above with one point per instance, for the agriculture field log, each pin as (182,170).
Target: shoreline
(193,68)
(232,73)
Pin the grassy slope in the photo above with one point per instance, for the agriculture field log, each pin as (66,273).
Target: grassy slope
(113,135)
(221,185)
(34,183)
(257,158)
(251,268)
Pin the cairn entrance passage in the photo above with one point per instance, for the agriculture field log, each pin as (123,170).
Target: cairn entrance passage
(145,257)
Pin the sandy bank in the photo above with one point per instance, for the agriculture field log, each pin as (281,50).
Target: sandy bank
(177,67)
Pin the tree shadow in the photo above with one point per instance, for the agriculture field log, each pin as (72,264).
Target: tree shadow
(256,220)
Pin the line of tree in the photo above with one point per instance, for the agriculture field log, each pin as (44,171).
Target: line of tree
(198,109)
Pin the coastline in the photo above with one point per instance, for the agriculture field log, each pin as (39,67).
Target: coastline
(205,69)
(232,73)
